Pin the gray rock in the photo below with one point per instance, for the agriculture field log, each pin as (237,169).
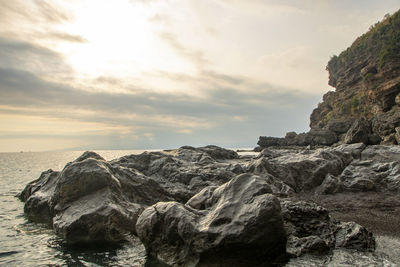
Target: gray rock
(354,236)
(267,141)
(321,137)
(37,195)
(240,216)
(358,132)
(310,229)
(302,170)
(91,200)
(339,126)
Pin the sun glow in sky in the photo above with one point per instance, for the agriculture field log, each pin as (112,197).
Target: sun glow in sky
(137,74)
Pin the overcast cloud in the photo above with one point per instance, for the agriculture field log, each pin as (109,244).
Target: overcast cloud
(183,73)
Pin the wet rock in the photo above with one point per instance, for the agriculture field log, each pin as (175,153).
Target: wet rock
(310,229)
(37,195)
(91,200)
(240,216)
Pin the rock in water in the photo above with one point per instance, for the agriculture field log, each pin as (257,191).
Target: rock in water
(239,221)
(91,200)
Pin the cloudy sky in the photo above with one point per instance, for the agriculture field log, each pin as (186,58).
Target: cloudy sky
(137,74)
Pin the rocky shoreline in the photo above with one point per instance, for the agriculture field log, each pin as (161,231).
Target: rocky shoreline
(209,205)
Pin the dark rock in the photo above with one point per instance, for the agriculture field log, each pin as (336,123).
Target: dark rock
(310,229)
(91,200)
(339,126)
(239,216)
(258,149)
(303,170)
(354,236)
(267,141)
(37,195)
(384,124)
(321,137)
(268,153)
(358,132)
(330,185)
(374,139)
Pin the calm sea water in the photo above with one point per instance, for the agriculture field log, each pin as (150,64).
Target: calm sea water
(27,244)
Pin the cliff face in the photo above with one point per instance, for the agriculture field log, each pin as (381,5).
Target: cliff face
(367,81)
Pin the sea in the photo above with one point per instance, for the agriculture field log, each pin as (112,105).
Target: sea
(23,243)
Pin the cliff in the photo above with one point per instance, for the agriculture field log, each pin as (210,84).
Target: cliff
(366,77)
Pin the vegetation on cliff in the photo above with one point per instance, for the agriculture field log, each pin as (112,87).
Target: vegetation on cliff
(382,41)
(367,80)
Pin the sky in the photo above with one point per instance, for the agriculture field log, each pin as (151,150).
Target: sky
(153,74)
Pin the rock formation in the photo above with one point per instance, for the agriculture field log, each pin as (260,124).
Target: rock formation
(196,206)
(365,106)
(208,206)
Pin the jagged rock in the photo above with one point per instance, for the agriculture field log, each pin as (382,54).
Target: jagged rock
(185,171)
(339,126)
(367,84)
(94,200)
(397,134)
(354,236)
(258,149)
(238,221)
(358,132)
(352,149)
(267,141)
(37,195)
(302,170)
(91,200)
(268,153)
(229,198)
(321,137)
(310,229)
(375,168)
(330,185)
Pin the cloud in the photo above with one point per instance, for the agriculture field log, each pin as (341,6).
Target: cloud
(193,55)
(225,110)
(17,54)
(160,19)
(50,12)
(34,11)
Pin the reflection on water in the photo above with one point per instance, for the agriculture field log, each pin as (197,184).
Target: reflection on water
(27,244)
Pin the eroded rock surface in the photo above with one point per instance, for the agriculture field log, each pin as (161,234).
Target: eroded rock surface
(194,206)
(240,216)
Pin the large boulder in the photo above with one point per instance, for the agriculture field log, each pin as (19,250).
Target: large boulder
(94,200)
(239,222)
(91,200)
(311,229)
